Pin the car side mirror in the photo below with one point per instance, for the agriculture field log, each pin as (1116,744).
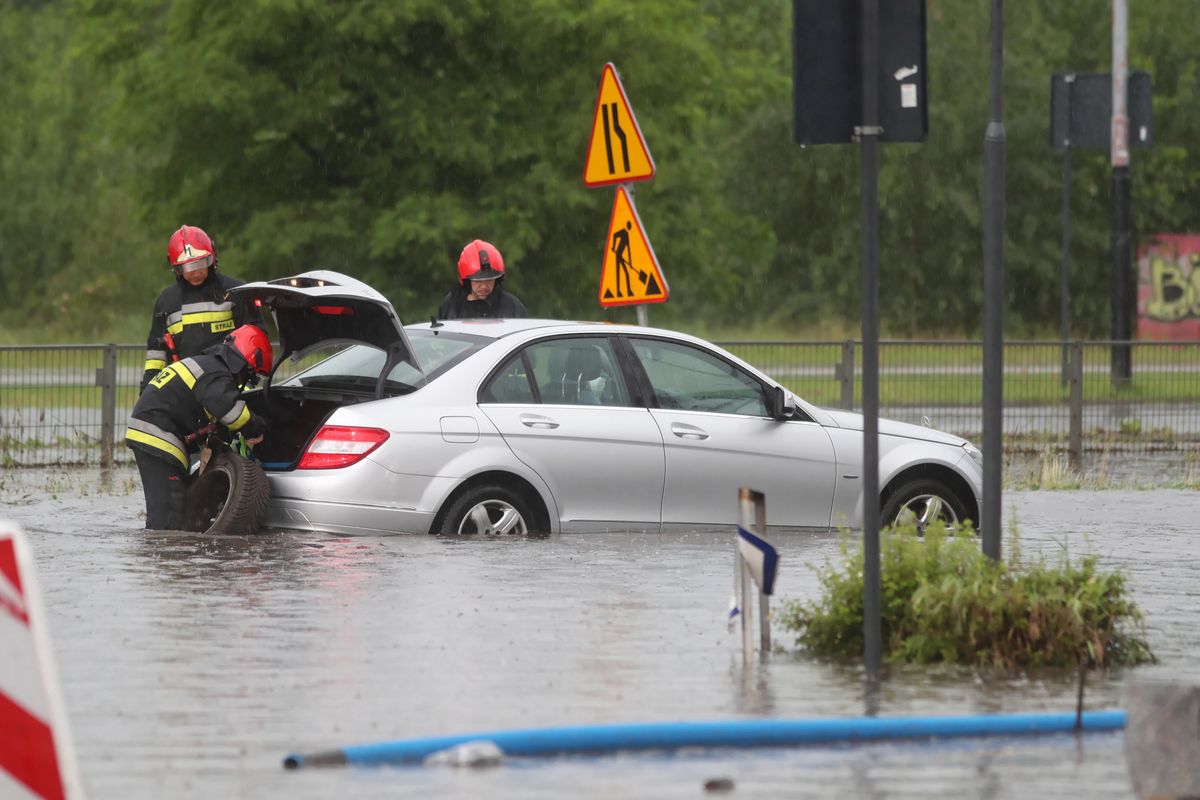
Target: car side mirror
(782,405)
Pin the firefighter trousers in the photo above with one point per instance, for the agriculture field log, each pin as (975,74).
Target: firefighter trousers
(165,485)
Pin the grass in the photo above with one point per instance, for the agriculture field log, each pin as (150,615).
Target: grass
(942,600)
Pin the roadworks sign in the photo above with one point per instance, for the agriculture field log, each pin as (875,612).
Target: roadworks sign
(36,758)
(617,153)
(631,272)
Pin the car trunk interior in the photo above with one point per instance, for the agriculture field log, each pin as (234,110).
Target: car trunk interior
(292,420)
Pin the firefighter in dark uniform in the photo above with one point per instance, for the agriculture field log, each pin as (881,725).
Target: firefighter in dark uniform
(195,311)
(480,292)
(181,399)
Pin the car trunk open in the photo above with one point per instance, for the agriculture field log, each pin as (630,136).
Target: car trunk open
(312,311)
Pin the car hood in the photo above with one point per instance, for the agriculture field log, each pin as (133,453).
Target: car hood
(325,306)
(852,420)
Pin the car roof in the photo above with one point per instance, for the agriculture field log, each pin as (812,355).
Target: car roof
(500,328)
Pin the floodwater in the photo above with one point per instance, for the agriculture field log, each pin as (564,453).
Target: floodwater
(192,665)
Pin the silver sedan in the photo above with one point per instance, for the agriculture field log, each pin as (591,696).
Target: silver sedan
(534,425)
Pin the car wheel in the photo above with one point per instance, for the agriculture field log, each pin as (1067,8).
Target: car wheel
(229,498)
(489,510)
(921,503)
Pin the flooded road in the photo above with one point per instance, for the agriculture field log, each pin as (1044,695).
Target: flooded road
(191,665)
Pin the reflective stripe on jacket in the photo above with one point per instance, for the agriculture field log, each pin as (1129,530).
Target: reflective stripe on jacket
(197,317)
(184,397)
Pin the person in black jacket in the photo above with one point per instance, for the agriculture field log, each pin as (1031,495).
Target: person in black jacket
(184,397)
(194,312)
(480,292)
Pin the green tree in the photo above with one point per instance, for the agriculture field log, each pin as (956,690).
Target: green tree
(377,138)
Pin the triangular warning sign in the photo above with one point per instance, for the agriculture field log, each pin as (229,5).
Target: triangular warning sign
(617,153)
(631,272)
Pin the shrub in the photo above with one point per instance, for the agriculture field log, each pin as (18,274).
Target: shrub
(942,600)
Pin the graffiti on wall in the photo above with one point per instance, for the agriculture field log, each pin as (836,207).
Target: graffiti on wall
(1169,287)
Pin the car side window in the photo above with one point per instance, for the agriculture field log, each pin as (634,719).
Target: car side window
(579,371)
(509,385)
(689,379)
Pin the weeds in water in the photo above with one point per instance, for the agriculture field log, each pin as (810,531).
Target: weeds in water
(942,600)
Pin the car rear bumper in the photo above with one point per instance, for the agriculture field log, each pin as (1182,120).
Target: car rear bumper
(343,518)
(365,498)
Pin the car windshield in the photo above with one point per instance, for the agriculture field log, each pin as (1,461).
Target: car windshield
(356,367)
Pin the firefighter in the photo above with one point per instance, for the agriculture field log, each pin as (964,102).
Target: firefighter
(184,397)
(194,312)
(480,292)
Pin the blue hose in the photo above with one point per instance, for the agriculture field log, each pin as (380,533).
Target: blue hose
(593,739)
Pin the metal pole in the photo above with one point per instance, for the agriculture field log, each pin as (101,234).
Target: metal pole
(869,198)
(739,599)
(1075,424)
(107,378)
(1121,254)
(741,574)
(846,374)
(643,316)
(993,291)
(1064,273)
(764,602)
(747,611)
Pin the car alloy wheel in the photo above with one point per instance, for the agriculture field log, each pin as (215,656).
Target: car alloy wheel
(488,510)
(923,510)
(493,518)
(922,502)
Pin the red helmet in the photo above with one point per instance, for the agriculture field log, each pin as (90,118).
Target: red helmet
(480,261)
(252,343)
(190,249)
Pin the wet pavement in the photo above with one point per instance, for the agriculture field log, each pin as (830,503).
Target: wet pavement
(192,665)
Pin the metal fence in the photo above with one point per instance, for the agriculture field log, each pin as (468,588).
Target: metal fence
(68,404)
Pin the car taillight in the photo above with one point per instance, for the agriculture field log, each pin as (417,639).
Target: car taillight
(340,446)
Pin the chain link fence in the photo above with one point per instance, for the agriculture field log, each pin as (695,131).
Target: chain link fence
(68,404)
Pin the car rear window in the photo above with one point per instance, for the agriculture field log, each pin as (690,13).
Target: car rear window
(356,367)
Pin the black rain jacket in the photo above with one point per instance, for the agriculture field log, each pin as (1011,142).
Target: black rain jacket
(500,304)
(197,317)
(187,395)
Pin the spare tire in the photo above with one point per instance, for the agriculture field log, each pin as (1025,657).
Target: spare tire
(230,497)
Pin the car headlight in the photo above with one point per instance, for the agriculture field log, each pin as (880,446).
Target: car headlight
(974,452)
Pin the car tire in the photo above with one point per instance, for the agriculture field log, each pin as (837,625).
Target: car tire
(229,498)
(490,510)
(923,501)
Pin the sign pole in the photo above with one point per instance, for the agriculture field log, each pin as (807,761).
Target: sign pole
(1122,368)
(1064,273)
(993,291)
(868,168)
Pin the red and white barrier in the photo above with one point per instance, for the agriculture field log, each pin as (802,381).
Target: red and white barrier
(36,757)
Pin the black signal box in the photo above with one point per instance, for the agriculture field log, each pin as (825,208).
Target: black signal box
(827,71)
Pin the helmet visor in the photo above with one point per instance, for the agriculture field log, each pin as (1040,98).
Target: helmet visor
(193,266)
(486,274)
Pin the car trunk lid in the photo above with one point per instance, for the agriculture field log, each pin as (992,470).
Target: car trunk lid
(322,306)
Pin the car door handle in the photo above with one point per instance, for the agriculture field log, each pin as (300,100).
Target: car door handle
(538,421)
(687,431)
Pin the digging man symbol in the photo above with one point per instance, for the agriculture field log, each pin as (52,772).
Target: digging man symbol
(620,248)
